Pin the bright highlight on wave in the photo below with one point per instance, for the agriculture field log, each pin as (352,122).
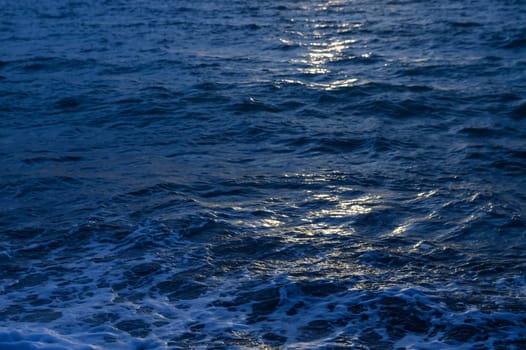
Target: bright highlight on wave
(334,85)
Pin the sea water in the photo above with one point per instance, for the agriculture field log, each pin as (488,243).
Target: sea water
(306,174)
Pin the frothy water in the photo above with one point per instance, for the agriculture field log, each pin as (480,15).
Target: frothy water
(261,175)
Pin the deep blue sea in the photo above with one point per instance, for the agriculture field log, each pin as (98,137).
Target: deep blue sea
(228,174)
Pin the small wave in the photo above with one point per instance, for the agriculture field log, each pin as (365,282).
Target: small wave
(338,145)
(510,167)
(252,105)
(54,64)
(478,132)
(516,43)
(519,112)
(61,159)
(464,24)
(67,103)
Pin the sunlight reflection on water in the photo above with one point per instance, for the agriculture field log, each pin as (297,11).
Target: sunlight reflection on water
(325,47)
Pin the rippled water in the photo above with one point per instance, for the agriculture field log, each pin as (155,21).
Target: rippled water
(263,174)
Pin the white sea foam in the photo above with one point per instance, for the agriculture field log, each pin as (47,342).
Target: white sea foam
(43,339)
(156,289)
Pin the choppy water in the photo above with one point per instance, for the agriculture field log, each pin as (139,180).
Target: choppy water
(263,174)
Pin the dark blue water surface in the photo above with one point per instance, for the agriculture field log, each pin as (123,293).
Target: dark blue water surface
(263,174)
